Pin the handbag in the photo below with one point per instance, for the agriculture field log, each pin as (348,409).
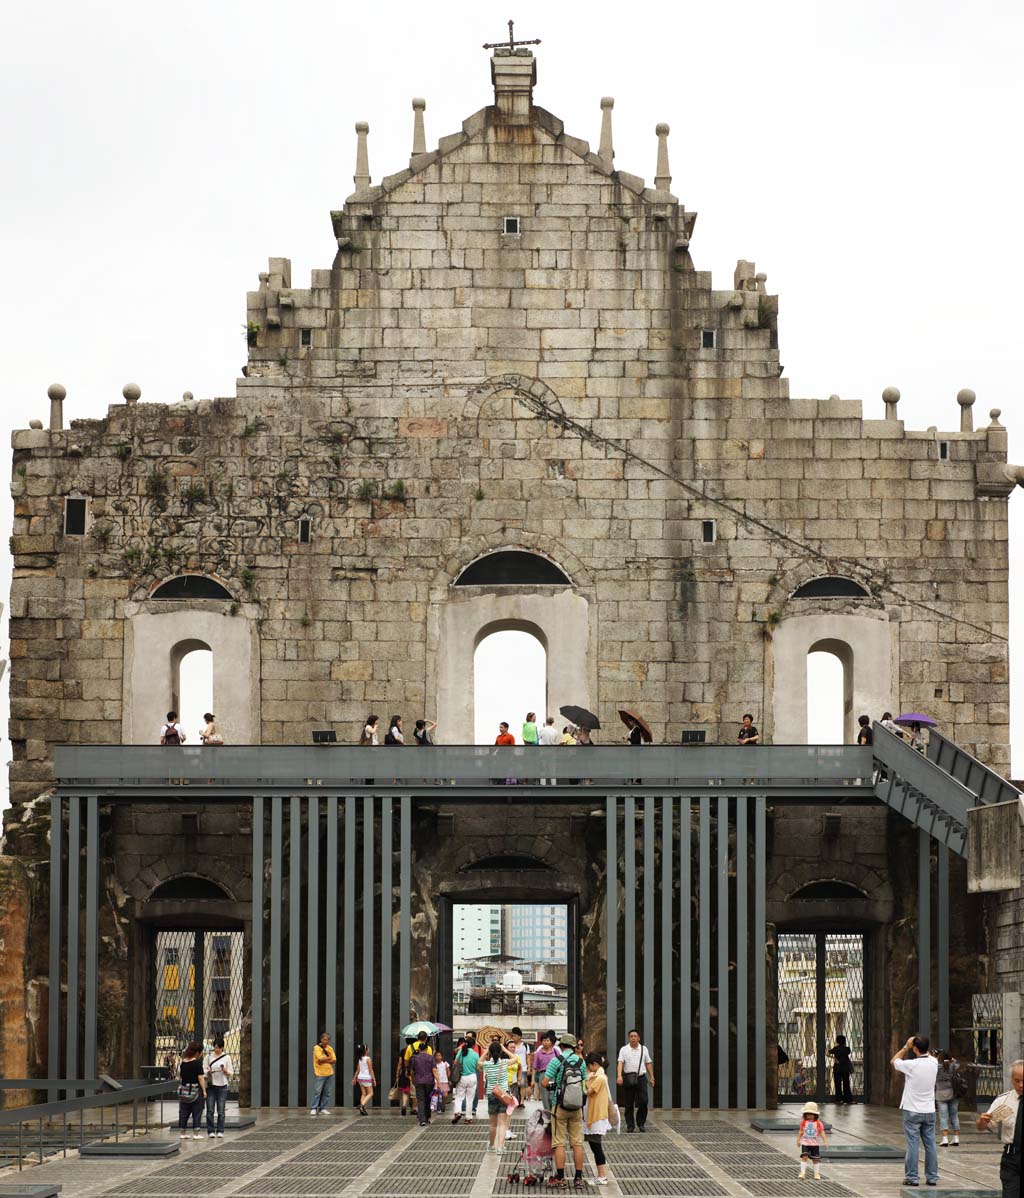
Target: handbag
(393,1094)
(188,1091)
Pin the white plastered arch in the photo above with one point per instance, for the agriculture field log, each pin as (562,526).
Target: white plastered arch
(156,634)
(868,646)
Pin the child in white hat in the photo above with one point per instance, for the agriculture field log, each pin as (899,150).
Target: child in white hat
(810,1139)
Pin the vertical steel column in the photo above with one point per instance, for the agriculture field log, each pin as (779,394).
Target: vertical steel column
(256,963)
(760,948)
(648,1003)
(685,957)
(74,916)
(629,912)
(386,1036)
(274,1087)
(820,1016)
(199,986)
(404,900)
(331,922)
(722,833)
(294,945)
(313,1028)
(611,878)
(742,954)
(92,928)
(664,1064)
(924,933)
(55,930)
(704,949)
(942,946)
(349,956)
(369,847)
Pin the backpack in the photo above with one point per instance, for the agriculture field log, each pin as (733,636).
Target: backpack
(455,1073)
(571,1091)
(172,736)
(958,1082)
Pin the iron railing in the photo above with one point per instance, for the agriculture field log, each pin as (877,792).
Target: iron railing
(47,1141)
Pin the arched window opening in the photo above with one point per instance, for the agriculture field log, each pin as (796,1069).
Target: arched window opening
(831,587)
(191,586)
(512,567)
(829,693)
(509,680)
(192,686)
(503,861)
(830,888)
(188,888)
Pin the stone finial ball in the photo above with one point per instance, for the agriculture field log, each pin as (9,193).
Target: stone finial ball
(362,127)
(419,103)
(56,391)
(661,129)
(607,101)
(995,413)
(131,392)
(965,397)
(186,396)
(891,394)
(831,397)
(35,424)
(760,277)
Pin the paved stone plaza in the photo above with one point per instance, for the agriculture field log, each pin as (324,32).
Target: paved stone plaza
(706,1154)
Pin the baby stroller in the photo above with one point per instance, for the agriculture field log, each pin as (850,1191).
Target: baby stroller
(536,1162)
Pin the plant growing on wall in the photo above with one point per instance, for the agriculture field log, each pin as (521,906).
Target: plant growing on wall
(123,452)
(251,331)
(247,578)
(102,533)
(367,489)
(156,489)
(194,493)
(397,491)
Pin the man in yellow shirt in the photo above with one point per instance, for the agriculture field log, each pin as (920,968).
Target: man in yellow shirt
(324,1061)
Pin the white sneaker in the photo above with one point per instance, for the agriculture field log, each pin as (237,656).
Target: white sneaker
(325,1111)
(198,1136)
(510,1135)
(313,1113)
(220,1135)
(184,1135)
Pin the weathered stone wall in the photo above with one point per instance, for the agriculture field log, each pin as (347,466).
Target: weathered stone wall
(446,389)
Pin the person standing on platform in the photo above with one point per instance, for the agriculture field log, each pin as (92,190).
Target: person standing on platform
(218,1069)
(919,1068)
(464,1065)
(842,1071)
(949,1085)
(1005,1117)
(748,735)
(504,737)
(810,1139)
(191,1091)
(530,729)
(633,1071)
(324,1061)
(543,1055)
(565,1078)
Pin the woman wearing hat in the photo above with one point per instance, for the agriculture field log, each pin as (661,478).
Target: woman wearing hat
(810,1139)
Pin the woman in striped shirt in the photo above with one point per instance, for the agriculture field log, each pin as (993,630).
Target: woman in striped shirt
(500,1103)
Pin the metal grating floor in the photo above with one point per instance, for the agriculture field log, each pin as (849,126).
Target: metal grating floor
(791,1189)
(669,1188)
(640,1169)
(413,1187)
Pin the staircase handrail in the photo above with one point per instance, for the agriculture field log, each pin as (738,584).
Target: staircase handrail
(934,783)
(984,783)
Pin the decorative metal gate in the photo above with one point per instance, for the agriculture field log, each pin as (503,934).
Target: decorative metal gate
(820,996)
(198,994)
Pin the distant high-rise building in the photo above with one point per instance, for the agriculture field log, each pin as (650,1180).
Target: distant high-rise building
(477,930)
(537,933)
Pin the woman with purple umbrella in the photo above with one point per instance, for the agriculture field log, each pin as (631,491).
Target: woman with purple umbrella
(915,721)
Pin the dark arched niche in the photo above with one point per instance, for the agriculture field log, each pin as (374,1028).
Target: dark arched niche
(512,567)
(505,861)
(189,888)
(191,586)
(832,586)
(828,889)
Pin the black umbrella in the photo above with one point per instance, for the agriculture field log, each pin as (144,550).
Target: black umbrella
(580,717)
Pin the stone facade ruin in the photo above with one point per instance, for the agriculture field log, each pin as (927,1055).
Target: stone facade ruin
(512,350)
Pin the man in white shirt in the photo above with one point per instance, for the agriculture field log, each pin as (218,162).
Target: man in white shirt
(1005,1117)
(548,736)
(219,1070)
(919,1069)
(634,1070)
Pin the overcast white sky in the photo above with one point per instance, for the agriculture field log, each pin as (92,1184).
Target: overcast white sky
(865,155)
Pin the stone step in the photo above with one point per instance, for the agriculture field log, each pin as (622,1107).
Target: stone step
(862,1152)
(30,1189)
(780,1123)
(231,1123)
(962,1192)
(139,1149)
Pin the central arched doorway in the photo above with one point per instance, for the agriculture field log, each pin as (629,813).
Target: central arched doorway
(509,680)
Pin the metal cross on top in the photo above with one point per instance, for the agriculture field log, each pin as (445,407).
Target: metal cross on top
(511,43)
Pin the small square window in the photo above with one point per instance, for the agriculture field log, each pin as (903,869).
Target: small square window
(943,451)
(510,226)
(305,530)
(707,338)
(74,517)
(708,531)
(306,337)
